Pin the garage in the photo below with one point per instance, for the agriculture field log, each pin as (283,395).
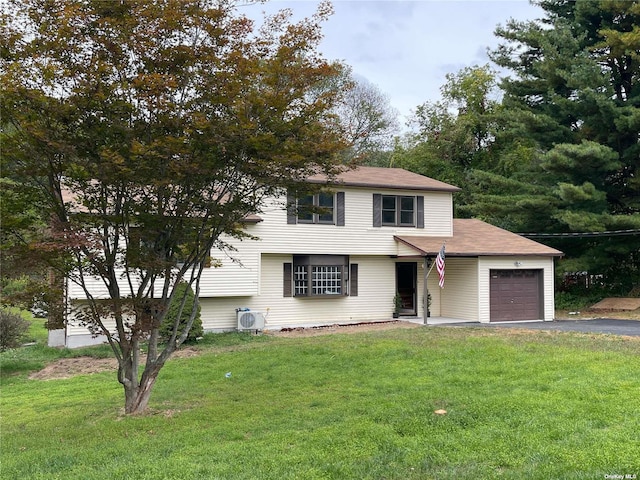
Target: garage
(515,295)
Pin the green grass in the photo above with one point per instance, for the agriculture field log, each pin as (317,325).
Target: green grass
(528,405)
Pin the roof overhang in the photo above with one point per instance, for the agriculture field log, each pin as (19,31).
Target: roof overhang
(475,238)
(251,218)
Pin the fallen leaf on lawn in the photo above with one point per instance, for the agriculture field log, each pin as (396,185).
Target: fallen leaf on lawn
(440,412)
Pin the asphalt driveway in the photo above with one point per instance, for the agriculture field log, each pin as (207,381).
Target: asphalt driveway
(599,325)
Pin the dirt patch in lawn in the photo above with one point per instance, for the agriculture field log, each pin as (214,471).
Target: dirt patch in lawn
(70,367)
(591,313)
(617,304)
(337,328)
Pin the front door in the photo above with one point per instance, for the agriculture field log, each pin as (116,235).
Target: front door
(406,281)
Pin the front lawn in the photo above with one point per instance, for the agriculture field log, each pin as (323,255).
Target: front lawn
(531,405)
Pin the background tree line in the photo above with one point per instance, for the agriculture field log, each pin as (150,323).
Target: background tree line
(553,147)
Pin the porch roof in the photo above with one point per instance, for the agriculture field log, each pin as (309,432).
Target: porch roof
(473,238)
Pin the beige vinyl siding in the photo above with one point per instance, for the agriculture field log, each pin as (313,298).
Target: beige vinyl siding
(403,250)
(219,314)
(358,236)
(238,274)
(99,291)
(251,276)
(486,264)
(459,297)
(434,291)
(438,212)
(79,336)
(376,288)
(240,277)
(95,285)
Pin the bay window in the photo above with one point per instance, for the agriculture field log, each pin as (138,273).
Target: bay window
(317,276)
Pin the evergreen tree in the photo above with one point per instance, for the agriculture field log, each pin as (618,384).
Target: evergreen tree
(559,154)
(179,314)
(575,100)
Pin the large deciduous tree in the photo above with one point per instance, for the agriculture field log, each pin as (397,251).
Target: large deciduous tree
(456,134)
(370,123)
(152,128)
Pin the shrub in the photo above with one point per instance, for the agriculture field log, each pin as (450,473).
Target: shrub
(13,328)
(167,326)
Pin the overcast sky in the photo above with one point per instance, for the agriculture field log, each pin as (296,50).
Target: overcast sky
(406,48)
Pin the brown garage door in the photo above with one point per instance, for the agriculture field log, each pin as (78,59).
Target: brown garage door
(515,295)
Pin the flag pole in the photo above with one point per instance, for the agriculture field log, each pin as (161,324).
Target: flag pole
(431,267)
(425,290)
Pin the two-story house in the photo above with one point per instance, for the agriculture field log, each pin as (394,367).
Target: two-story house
(374,235)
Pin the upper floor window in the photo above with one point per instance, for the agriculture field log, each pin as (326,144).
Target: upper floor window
(145,247)
(320,208)
(398,211)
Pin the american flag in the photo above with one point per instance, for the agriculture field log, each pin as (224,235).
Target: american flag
(440,267)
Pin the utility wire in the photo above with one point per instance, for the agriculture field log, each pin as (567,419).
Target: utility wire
(612,233)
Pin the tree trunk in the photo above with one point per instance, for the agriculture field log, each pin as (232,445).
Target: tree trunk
(137,391)
(137,395)
(137,388)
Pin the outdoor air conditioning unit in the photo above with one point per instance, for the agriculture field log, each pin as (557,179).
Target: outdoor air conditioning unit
(250,320)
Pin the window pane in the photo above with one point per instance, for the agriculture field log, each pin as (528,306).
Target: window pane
(305,205)
(389,217)
(388,203)
(406,218)
(325,202)
(306,200)
(406,203)
(406,210)
(326,280)
(325,217)
(300,280)
(389,210)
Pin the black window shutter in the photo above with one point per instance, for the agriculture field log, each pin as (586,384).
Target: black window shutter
(287,291)
(353,280)
(377,210)
(420,211)
(292,214)
(340,209)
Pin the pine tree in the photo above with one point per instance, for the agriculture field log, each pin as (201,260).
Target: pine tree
(575,99)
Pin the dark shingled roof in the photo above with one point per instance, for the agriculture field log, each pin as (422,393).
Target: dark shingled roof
(472,238)
(388,178)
